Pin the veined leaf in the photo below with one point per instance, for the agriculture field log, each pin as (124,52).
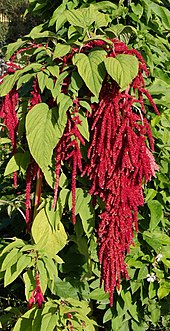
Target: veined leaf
(17,243)
(11,48)
(82,17)
(44,128)
(156,213)
(50,241)
(61,50)
(18,161)
(123,69)
(9,82)
(24,323)
(10,259)
(23,262)
(42,80)
(91,69)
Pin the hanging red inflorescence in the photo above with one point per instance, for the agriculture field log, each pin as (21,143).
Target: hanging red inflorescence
(119,158)
(118,163)
(68,149)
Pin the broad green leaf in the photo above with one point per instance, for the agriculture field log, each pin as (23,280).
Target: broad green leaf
(43,275)
(5,141)
(42,80)
(105,5)
(36,323)
(57,89)
(137,9)
(44,128)
(50,241)
(19,161)
(23,262)
(107,316)
(9,82)
(10,259)
(99,295)
(64,289)
(61,50)
(13,164)
(91,69)
(86,105)
(50,266)
(156,213)
(41,222)
(101,19)
(163,13)
(24,79)
(156,239)
(163,291)
(64,103)
(54,70)
(57,13)
(16,243)
(82,17)
(45,321)
(11,48)
(123,69)
(36,67)
(76,82)
(24,323)
(54,216)
(29,280)
(87,216)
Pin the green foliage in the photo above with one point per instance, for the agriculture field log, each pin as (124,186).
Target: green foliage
(67,256)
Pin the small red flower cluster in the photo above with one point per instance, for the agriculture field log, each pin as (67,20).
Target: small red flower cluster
(36,296)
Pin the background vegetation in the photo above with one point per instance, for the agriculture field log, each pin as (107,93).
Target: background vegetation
(72,287)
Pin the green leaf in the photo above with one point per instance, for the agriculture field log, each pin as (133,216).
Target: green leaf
(57,13)
(44,128)
(99,295)
(50,241)
(24,79)
(61,50)
(9,82)
(36,323)
(54,216)
(12,47)
(82,17)
(163,291)
(123,69)
(5,141)
(86,105)
(163,13)
(156,213)
(107,316)
(16,243)
(13,164)
(24,323)
(91,69)
(54,70)
(10,259)
(42,80)
(29,280)
(11,274)
(17,162)
(64,289)
(43,275)
(57,89)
